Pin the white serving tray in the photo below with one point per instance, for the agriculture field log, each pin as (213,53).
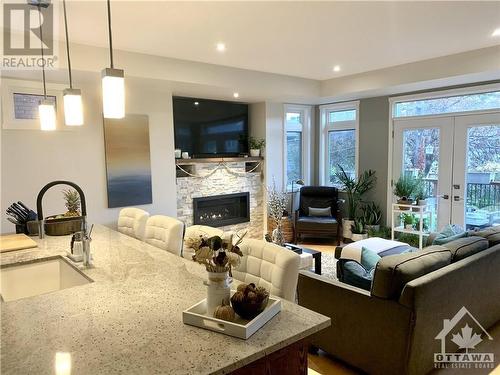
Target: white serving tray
(241,328)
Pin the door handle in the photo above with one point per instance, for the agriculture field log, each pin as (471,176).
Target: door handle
(444,196)
(457,198)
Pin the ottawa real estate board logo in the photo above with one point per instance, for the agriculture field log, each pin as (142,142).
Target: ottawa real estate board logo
(463,332)
(29,28)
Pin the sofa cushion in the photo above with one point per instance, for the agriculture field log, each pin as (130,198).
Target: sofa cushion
(492,234)
(449,233)
(394,271)
(464,247)
(369,258)
(353,273)
(314,211)
(316,223)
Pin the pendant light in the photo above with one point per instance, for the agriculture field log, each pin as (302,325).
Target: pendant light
(46,109)
(73,110)
(113,85)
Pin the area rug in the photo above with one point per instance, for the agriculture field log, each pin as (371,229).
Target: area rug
(329,265)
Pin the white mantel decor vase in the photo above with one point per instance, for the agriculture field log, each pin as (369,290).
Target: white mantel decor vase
(219,256)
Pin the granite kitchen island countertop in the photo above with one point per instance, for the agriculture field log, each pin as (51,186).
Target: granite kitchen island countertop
(129,320)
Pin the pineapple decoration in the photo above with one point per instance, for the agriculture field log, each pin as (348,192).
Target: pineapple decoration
(72,199)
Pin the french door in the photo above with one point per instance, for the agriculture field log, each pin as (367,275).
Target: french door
(458,157)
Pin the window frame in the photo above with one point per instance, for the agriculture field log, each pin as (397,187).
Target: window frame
(305,129)
(438,94)
(11,87)
(326,126)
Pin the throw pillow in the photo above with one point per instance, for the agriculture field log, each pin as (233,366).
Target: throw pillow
(327,211)
(449,233)
(369,258)
(356,275)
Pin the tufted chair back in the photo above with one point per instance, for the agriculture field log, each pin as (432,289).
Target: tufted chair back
(132,222)
(270,266)
(194,231)
(165,232)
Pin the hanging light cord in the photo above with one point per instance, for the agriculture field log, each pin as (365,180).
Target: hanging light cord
(67,45)
(110,37)
(41,49)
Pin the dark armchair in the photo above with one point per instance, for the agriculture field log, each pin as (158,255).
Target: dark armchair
(320,223)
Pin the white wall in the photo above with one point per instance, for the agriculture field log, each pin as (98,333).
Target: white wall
(274,144)
(32,158)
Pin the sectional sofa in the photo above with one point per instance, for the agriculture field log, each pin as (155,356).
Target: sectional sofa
(392,328)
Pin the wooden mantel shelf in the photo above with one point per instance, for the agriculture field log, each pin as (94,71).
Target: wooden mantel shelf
(219,160)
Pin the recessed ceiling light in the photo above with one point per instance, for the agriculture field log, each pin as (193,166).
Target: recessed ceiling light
(496,32)
(221,47)
(196,103)
(336,68)
(236,95)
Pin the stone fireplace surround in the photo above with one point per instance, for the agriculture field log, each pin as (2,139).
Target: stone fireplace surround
(229,178)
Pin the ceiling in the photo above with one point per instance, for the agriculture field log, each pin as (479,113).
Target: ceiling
(304,39)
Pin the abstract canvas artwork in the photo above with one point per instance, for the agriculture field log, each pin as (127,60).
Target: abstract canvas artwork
(128,165)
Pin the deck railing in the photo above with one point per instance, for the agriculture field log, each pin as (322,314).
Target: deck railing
(478,195)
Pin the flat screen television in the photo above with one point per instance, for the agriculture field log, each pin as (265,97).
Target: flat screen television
(210,128)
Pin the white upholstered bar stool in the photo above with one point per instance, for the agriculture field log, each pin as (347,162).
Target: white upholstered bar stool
(195,231)
(270,266)
(165,232)
(132,222)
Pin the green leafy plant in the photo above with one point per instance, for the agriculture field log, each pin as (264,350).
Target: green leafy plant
(419,192)
(358,227)
(383,232)
(256,143)
(408,219)
(355,188)
(372,214)
(404,187)
(410,239)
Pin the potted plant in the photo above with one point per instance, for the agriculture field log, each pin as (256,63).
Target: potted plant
(354,188)
(420,193)
(408,221)
(358,230)
(403,189)
(256,145)
(372,214)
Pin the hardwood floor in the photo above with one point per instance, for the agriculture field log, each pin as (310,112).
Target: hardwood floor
(324,364)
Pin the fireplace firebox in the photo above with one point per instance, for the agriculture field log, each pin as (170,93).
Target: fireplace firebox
(221,210)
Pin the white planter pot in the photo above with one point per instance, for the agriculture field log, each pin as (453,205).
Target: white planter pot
(254,152)
(218,290)
(358,237)
(346,228)
(409,226)
(421,202)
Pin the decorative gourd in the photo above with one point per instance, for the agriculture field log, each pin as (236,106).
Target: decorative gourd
(224,312)
(242,287)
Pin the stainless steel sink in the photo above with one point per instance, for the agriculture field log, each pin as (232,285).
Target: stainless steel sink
(43,276)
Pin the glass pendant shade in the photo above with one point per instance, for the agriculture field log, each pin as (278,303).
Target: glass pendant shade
(73,109)
(47,113)
(113,93)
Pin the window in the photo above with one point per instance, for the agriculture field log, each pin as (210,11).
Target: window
(26,105)
(451,104)
(297,125)
(339,141)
